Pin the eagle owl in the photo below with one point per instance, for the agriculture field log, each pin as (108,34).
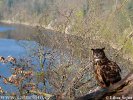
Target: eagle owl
(106,72)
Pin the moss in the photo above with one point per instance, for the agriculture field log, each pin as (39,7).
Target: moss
(79,14)
(128,47)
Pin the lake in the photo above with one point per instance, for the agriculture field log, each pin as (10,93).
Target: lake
(13,40)
(11,37)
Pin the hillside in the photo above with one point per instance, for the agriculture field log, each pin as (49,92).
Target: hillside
(65,31)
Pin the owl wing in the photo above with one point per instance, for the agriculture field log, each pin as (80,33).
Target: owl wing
(112,72)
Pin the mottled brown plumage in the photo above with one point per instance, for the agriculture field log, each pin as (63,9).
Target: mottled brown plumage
(106,72)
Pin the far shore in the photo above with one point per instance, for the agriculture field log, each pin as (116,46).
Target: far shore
(26,24)
(48,27)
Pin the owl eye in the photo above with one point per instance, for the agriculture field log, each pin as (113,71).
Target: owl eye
(101,53)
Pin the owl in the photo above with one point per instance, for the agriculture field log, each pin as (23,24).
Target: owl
(106,71)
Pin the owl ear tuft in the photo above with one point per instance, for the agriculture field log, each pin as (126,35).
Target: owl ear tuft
(103,48)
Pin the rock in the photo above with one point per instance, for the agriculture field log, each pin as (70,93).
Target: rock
(121,90)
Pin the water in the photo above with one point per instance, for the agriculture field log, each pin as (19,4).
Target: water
(6,28)
(12,40)
(10,46)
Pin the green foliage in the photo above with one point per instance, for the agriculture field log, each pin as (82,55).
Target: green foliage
(79,14)
(128,48)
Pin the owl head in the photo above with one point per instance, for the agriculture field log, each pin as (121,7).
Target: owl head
(98,53)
